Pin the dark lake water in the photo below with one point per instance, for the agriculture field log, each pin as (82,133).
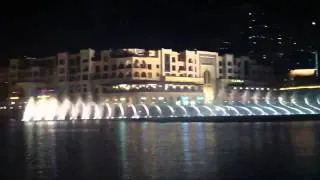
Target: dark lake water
(134,150)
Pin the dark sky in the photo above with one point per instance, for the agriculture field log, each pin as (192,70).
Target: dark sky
(41,28)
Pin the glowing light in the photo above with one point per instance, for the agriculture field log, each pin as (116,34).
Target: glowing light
(14,98)
(302,72)
(299,87)
(43,96)
(236,81)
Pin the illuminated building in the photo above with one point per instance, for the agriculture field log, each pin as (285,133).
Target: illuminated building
(300,79)
(131,75)
(138,75)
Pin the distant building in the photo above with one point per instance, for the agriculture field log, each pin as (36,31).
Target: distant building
(27,75)
(243,73)
(136,75)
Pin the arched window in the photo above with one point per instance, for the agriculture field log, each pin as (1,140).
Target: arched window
(207,77)
(143,64)
(136,63)
(143,74)
(136,74)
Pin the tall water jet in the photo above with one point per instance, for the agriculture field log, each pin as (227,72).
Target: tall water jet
(157,108)
(63,109)
(245,98)
(30,110)
(221,96)
(135,112)
(232,96)
(256,99)
(51,108)
(146,109)
(268,102)
(98,111)
(109,110)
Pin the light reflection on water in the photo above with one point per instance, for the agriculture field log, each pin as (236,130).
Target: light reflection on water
(122,150)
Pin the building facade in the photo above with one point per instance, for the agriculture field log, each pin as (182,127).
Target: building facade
(130,75)
(138,75)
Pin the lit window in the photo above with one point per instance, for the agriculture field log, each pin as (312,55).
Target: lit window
(149,75)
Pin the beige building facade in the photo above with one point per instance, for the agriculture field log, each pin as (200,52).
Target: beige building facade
(132,75)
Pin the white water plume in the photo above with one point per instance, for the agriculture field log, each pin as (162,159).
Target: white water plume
(50,108)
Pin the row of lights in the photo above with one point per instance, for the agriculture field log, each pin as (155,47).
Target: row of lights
(154,86)
(247,88)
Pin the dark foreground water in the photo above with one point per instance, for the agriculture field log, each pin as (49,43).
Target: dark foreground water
(133,150)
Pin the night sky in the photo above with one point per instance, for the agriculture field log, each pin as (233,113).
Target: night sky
(42,28)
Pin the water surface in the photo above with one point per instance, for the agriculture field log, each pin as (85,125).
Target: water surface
(144,150)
